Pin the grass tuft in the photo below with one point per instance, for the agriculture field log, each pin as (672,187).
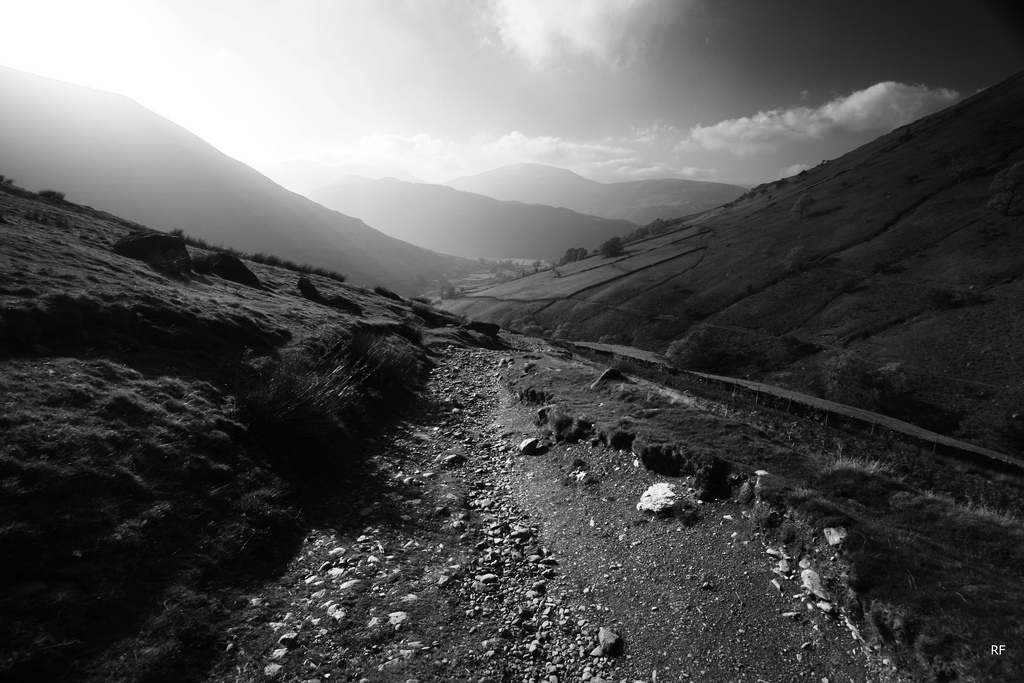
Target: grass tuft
(308,406)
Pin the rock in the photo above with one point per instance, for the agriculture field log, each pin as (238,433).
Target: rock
(166,253)
(351,584)
(835,535)
(746,493)
(529,446)
(490,329)
(272,670)
(396,619)
(309,290)
(232,268)
(659,499)
(289,639)
(812,583)
(610,641)
(453,460)
(609,375)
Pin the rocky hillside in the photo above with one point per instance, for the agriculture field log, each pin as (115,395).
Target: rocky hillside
(886,278)
(214,469)
(637,201)
(107,151)
(466,224)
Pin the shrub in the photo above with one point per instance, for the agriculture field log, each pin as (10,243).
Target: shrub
(387,293)
(697,350)
(314,400)
(612,247)
(51,194)
(846,378)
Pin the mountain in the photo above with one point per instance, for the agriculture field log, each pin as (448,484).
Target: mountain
(105,150)
(899,288)
(639,201)
(466,224)
(305,176)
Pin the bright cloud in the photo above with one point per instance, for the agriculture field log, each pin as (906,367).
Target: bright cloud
(878,109)
(792,170)
(636,168)
(539,31)
(545,149)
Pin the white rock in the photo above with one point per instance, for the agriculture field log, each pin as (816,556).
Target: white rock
(529,446)
(835,535)
(658,498)
(812,583)
(396,619)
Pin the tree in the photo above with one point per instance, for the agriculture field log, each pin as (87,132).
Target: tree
(1008,187)
(612,247)
(803,203)
(572,254)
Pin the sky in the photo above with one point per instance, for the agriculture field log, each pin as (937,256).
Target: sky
(738,91)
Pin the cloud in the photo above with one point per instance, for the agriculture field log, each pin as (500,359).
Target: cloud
(635,168)
(792,170)
(546,149)
(878,109)
(541,31)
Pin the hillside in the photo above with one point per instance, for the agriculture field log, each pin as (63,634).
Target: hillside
(216,470)
(303,177)
(639,201)
(898,289)
(107,151)
(465,224)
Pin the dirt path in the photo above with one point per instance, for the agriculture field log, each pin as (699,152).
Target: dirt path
(463,560)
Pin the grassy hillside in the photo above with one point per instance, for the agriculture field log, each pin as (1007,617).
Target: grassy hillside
(466,224)
(107,151)
(161,433)
(899,266)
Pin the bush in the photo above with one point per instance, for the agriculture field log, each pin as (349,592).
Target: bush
(314,400)
(846,378)
(697,350)
(51,194)
(613,247)
(387,293)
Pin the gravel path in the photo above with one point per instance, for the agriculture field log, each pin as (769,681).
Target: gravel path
(465,560)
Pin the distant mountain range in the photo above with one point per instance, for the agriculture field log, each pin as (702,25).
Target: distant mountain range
(639,201)
(466,224)
(305,176)
(107,151)
(897,263)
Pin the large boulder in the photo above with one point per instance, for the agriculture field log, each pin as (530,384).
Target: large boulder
(659,499)
(309,290)
(166,253)
(233,268)
(489,329)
